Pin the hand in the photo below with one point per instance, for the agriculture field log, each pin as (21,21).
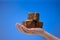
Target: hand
(37,31)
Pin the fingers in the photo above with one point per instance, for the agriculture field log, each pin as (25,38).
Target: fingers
(28,31)
(19,27)
(22,28)
(25,30)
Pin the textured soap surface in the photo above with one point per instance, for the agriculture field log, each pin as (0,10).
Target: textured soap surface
(32,24)
(29,24)
(33,21)
(33,16)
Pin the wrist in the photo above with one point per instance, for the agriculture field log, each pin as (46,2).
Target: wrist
(43,34)
(48,36)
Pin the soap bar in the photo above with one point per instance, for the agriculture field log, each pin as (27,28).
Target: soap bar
(39,24)
(33,16)
(33,21)
(28,24)
(32,24)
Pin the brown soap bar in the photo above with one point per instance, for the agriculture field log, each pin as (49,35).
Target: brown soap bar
(32,24)
(39,24)
(28,24)
(33,21)
(33,16)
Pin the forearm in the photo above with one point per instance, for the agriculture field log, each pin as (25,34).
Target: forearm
(49,36)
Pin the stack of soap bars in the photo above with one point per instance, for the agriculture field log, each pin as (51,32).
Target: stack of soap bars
(33,21)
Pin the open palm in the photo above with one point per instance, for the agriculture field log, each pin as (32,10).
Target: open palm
(23,29)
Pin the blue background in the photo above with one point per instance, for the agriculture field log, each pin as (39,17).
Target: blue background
(15,11)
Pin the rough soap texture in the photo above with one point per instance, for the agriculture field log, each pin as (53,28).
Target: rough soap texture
(33,21)
(33,16)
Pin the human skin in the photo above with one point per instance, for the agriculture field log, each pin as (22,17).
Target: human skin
(36,31)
